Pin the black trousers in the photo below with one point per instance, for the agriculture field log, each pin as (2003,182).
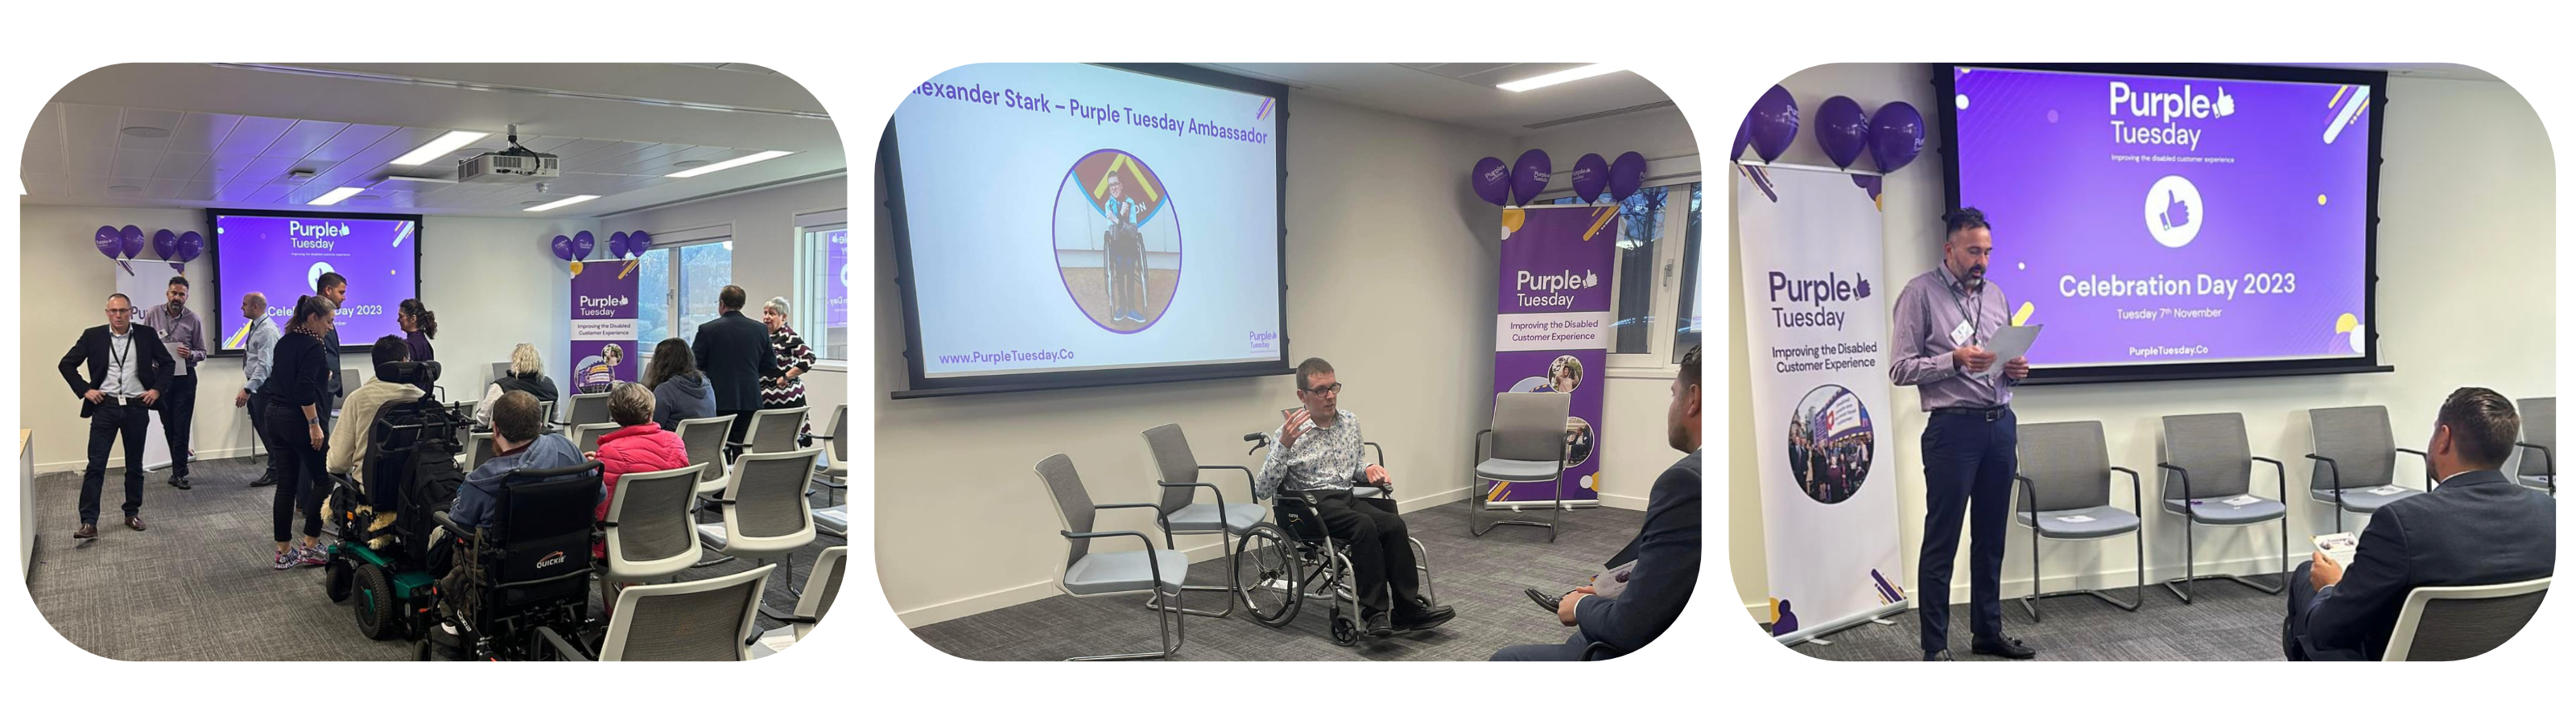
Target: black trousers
(178,410)
(733,433)
(1968,462)
(108,425)
(2295,626)
(1380,550)
(259,422)
(297,467)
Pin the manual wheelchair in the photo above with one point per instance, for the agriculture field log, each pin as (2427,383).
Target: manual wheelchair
(1279,566)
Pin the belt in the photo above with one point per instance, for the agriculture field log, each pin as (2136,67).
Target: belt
(1989,414)
(114,401)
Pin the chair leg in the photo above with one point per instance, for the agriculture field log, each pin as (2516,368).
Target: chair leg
(2190,574)
(1554,516)
(1164,625)
(2189,571)
(2030,603)
(1233,590)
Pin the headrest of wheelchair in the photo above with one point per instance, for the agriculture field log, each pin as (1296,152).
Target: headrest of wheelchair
(408,373)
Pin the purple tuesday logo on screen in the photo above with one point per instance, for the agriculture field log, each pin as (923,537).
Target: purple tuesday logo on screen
(2151,219)
(284,257)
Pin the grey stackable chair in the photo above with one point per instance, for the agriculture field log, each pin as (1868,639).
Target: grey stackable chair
(586,409)
(479,450)
(499,370)
(1528,447)
(704,438)
(2356,461)
(833,521)
(811,604)
(706,620)
(546,415)
(585,437)
(1179,514)
(2066,473)
(2452,623)
(650,535)
(1088,573)
(771,431)
(349,381)
(834,470)
(2540,436)
(764,509)
(2206,462)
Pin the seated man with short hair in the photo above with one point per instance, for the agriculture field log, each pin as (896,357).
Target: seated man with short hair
(1318,450)
(2475,528)
(349,436)
(518,442)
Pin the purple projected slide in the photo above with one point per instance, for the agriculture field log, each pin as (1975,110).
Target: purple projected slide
(283,256)
(2149,219)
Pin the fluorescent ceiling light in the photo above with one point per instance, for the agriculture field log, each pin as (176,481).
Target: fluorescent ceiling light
(549,206)
(1563,76)
(433,150)
(743,161)
(336,196)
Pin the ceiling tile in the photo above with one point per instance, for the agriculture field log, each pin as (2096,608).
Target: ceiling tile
(356,137)
(202,132)
(254,134)
(130,162)
(302,139)
(147,118)
(220,168)
(180,166)
(88,126)
(164,188)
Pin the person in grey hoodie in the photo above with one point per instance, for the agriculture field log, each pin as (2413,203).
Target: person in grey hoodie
(518,443)
(680,391)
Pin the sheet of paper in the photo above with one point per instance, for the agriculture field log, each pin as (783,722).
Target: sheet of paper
(2385,490)
(2075,519)
(2008,343)
(2241,500)
(2338,547)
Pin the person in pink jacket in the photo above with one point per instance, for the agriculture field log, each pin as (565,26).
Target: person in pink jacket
(636,446)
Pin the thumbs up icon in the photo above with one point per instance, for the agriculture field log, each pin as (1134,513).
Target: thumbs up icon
(2176,212)
(1591,279)
(2226,103)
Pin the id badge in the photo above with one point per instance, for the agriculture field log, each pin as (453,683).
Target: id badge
(1959,334)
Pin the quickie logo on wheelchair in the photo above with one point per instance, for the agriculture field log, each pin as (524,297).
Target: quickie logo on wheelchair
(551,559)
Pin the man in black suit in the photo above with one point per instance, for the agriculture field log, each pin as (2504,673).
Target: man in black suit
(1666,552)
(733,351)
(128,370)
(2475,528)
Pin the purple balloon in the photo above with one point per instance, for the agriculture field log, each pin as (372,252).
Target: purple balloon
(639,242)
(109,241)
(1895,136)
(1591,175)
(1529,175)
(191,245)
(1869,183)
(1842,128)
(130,240)
(563,247)
(1492,180)
(1775,123)
(1743,138)
(582,243)
(617,245)
(1627,174)
(165,244)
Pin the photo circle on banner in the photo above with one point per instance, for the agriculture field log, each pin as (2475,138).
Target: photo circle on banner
(1830,444)
(1578,441)
(1117,240)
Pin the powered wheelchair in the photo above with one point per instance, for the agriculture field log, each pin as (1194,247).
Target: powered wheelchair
(511,582)
(1279,566)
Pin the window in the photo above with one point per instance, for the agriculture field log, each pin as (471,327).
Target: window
(822,310)
(1654,283)
(677,286)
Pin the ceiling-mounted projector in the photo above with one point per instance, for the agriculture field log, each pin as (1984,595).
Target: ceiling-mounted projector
(511,166)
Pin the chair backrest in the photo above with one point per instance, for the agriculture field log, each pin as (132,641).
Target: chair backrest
(775,430)
(499,370)
(2068,465)
(1072,503)
(703,620)
(1530,425)
(2359,440)
(2213,448)
(349,381)
(546,412)
(840,441)
(2450,623)
(650,513)
(544,528)
(1172,458)
(482,450)
(2539,427)
(588,409)
(704,437)
(768,494)
(822,585)
(585,437)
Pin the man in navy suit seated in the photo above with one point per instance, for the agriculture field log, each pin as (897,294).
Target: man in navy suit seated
(2476,528)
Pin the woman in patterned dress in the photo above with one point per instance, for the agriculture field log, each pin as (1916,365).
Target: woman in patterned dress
(794,360)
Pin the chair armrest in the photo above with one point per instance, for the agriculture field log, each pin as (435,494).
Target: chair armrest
(1381,452)
(2137,502)
(1250,480)
(2281,475)
(450,524)
(1151,562)
(561,646)
(2428,466)
(2186,483)
(2029,497)
(1220,495)
(2548,459)
(1107,506)
(2334,473)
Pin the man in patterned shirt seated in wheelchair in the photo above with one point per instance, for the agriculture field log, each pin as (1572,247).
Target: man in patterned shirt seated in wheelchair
(1318,450)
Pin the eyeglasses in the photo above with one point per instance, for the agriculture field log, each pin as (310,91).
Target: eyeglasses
(1332,389)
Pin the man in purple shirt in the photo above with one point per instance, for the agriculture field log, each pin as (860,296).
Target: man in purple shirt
(1943,319)
(185,336)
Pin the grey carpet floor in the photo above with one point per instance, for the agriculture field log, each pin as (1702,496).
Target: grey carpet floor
(1481,577)
(197,586)
(2228,622)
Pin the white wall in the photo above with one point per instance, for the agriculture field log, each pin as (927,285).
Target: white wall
(764,261)
(2465,249)
(1390,262)
(1633,448)
(461,266)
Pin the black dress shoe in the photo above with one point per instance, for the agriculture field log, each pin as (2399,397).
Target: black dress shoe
(1431,619)
(179,481)
(264,481)
(2007,648)
(87,530)
(1543,600)
(1941,655)
(134,521)
(1381,626)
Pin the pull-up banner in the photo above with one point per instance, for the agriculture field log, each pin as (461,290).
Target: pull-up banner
(1552,330)
(603,326)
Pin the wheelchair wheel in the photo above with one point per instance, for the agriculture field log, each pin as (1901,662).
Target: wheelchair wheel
(1346,632)
(337,578)
(376,604)
(1266,575)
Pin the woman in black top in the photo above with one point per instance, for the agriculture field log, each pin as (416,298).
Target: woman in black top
(298,376)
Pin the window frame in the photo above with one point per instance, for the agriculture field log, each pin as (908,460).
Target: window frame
(1657,362)
(805,225)
(671,293)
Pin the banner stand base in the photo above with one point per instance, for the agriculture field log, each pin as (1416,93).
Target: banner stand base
(1816,634)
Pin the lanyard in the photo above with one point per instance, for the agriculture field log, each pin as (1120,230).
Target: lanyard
(1974,313)
(116,362)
